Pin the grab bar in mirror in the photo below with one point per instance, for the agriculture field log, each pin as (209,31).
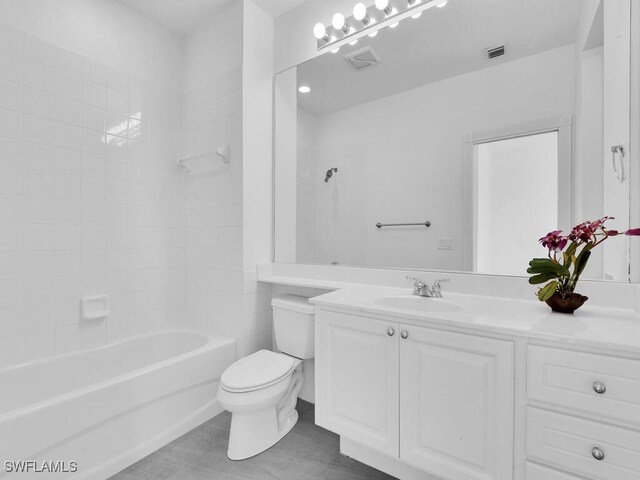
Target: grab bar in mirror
(423,224)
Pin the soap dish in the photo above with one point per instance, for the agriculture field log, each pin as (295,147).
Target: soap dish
(94,308)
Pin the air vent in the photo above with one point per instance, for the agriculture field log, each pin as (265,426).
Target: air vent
(362,59)
(495,52)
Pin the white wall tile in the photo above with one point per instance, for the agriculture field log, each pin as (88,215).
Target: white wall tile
(38,50)
(69,210)
(10,95)
(38,102)
(38,75)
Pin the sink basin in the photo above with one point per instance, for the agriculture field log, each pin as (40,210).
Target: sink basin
(420,304)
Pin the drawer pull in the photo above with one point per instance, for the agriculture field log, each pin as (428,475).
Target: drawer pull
(599,388)
(597,454)
(391,332)
(404,334)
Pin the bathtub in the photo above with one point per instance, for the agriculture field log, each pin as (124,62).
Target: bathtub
(90,414)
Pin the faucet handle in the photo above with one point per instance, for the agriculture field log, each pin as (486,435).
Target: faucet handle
(416,281)
(442,280)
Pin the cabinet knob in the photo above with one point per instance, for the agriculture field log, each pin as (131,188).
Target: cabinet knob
(391,332)
(404,334)
(597,454)
(599,388)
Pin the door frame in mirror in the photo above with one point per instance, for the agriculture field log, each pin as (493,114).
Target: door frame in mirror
(563,125)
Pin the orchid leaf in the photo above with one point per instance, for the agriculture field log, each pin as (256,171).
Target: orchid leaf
(542,278)
(581,263)
(548,291)
(538,266)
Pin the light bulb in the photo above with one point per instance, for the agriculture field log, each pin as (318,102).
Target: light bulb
(384,6)
(360,13)
(320,32)
(338,21)
(304,89)
(440,5)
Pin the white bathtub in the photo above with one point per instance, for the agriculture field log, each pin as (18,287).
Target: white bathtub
(107,408)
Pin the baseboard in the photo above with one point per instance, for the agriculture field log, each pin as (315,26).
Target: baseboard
(119,463)
(380,462)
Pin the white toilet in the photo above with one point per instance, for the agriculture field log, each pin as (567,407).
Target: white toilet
(261,390)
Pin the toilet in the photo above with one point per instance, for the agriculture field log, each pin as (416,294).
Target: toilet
(261,390)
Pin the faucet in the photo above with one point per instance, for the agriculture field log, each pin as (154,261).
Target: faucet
(421,289)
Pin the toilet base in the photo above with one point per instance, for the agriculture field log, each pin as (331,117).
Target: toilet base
(253,432)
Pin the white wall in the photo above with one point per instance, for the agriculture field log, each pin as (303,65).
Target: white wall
(213,117)
(227,100)
(257,76)
(401,159)
(80,215)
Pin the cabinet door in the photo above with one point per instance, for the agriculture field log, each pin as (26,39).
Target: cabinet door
(456,404)
(357,379)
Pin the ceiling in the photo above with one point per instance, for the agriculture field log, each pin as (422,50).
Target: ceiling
(183,16)
(442,43)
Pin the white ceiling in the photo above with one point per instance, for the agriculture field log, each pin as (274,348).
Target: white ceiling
(183,16)
(443,43)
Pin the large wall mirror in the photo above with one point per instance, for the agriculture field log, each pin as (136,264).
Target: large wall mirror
(457,139)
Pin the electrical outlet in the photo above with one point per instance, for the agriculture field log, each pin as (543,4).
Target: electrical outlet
(445,244)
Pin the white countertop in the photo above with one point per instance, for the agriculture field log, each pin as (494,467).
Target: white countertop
(600,327)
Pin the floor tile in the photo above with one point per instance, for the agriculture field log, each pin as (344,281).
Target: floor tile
(308,452)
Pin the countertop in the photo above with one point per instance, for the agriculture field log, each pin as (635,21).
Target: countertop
(599,327)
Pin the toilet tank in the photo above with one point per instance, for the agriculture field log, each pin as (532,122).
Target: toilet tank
(293,325)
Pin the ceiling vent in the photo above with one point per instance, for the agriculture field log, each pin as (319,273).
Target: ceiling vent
(495,52)
(362,59)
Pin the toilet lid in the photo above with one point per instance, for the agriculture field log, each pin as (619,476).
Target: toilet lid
(259,370)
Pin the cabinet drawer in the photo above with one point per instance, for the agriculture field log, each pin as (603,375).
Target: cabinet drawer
(568,379)
(538,472)
(568,442)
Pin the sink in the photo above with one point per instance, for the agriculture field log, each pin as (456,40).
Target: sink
(420,304)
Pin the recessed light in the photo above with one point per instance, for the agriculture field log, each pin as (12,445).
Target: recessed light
(304,89)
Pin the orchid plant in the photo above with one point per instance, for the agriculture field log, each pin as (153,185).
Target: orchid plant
(568,257)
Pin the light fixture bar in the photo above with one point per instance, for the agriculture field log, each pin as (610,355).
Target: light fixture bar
(371,21)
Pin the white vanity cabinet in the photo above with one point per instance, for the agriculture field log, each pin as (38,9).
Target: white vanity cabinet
(456,404)
(439,401)
(357,379)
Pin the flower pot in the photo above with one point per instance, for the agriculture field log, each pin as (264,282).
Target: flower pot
(567,305)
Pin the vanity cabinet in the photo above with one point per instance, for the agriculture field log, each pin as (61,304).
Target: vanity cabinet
(357,379)
(456,404)
(583,413)
(439,401)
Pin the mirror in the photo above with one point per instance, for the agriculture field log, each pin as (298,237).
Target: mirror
(457,139)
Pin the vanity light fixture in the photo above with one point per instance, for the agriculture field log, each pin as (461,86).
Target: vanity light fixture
(304,89)
(385,13)
(339,23)
(320,32)
(360,13)
(384,6)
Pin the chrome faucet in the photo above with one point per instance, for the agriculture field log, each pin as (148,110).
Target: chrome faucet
(421,289)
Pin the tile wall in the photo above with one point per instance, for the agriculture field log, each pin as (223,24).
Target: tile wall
(90,200)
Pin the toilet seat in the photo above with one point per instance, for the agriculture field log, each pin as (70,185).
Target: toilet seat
(256,372)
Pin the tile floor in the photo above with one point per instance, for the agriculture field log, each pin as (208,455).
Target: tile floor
(308,452)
